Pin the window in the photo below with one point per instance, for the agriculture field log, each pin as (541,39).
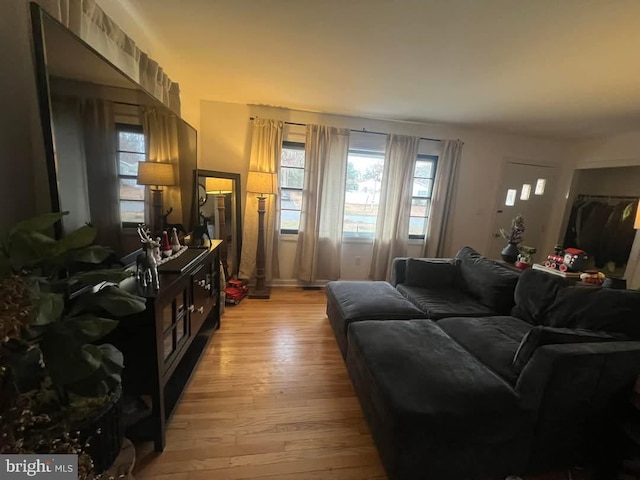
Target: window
(291,184)
(364,182)
(130,150)
(423,177)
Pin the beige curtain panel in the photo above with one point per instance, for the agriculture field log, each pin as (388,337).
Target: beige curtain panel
(442,202)
(392,227)
(318,251)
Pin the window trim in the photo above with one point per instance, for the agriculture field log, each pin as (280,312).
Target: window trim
(130,128)
(292,146)
(434,159)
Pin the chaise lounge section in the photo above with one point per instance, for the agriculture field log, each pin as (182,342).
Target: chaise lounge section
(465,397)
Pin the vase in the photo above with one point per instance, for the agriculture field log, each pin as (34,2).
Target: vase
(510,253)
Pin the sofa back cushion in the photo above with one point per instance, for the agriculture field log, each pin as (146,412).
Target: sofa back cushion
(599,309)
(540,336)
(491,283)
(535,292)
(431,273)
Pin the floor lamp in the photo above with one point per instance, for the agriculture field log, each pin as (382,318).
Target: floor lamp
(263,184)
(220,187)
(156,174)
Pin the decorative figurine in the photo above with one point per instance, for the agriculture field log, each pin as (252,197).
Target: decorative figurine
(567,260)
(175,243)
(156,250)
(166,247)
(146,263)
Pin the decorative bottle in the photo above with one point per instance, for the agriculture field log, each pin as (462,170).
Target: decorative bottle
(166,247)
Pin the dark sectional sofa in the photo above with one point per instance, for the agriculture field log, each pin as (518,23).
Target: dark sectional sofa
(524,385)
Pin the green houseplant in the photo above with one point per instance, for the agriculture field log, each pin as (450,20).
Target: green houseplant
(58,298)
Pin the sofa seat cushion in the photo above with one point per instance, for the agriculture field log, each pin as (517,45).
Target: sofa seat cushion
(494,341)
(349,302)
(427,388)
(445,302)
(491,283)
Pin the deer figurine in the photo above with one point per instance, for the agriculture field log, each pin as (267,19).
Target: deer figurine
(146,262)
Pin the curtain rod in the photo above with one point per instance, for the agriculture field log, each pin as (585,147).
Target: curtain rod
(354,130)
(614,197)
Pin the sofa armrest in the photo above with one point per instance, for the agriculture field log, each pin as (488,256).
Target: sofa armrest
(398,270)
(578,375)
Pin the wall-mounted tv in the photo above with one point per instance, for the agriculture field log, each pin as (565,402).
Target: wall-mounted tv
(98,126)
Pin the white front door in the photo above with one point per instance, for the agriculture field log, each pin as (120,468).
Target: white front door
(526,190)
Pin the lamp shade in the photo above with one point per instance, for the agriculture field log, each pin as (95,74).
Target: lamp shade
(262,182)
(156,173)
(636,224)
(218,186)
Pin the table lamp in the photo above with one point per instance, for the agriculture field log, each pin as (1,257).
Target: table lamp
(156,174)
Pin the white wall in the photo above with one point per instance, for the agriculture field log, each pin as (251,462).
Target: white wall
(225,146)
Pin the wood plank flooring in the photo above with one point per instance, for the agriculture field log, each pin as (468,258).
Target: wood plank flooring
(271,399)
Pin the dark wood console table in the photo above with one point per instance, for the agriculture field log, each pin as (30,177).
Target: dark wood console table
(163,344)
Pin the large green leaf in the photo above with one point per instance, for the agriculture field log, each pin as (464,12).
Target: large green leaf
(80,238)
(113,300)
(39,223)
(106,378)
(49,308)
(27,248)
(66,356)
(92,254)
(93,277)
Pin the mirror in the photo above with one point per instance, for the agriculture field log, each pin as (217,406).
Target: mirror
(219,211)
(99,125)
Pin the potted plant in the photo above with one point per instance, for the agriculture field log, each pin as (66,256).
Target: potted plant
(58,298)
(514,236)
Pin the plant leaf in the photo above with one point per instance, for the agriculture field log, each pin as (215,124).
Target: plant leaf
(113,300)
(49,308)
(38,223)
(92,254)
(94,277)
(28,248)
(106,378)
(80,238)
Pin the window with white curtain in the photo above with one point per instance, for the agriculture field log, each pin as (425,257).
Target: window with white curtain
(365,164)
(130,150)
(292,164)
(423,176)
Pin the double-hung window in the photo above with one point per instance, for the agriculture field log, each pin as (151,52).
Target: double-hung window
(291,185)
(130,150)
(362,196)
(422,189)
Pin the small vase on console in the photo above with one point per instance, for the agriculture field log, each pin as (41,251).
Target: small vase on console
(510,253)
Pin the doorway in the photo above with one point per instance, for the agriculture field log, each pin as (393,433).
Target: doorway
(526,190)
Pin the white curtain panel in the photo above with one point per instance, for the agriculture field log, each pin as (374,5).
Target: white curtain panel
(392,226)
(442,201)
(266,147)
(102,169)
(88,21)
(318,250)
(161,140)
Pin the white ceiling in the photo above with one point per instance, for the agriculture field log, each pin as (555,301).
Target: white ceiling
(563,68)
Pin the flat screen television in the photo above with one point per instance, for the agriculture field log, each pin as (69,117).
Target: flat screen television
(98,126)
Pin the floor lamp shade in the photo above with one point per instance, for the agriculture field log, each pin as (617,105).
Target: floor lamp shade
(262,183)
(636,224)
(218,186)
(158,174)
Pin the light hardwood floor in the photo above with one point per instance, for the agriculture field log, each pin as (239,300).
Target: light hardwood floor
(271,399)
